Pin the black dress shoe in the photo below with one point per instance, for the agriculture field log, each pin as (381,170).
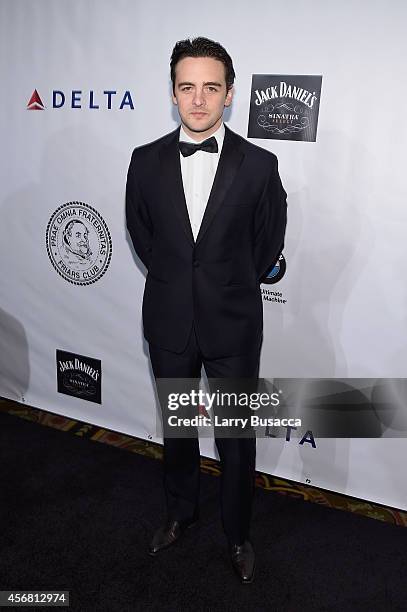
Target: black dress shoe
(168,534)
(243,561)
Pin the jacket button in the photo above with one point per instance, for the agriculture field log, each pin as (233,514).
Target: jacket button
(196,264)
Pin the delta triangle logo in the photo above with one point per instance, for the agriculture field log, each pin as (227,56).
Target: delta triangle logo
(35,102)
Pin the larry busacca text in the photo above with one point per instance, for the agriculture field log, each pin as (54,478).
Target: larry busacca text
(253,421)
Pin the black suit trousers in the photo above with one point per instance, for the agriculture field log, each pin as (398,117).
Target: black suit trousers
(181,454)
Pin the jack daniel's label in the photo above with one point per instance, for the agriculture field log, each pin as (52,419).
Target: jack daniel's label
(79,376)
(284,107)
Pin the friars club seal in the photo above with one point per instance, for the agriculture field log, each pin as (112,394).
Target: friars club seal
(78,243)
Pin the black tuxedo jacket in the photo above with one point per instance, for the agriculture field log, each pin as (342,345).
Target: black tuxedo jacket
(215,281)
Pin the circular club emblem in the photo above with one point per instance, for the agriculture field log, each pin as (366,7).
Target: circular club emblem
(78,243)
(276,273)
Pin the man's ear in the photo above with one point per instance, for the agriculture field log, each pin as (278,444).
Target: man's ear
(229,96)
(174,99)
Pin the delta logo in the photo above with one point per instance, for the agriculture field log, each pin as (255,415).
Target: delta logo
(107,99)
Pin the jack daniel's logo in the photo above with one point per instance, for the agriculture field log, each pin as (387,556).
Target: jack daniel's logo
(285,91)
(79,376)
(79,365)
(284,107)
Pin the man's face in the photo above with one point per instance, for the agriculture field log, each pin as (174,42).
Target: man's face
(78,240)
(201,95)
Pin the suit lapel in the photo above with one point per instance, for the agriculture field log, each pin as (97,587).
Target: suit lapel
(230,159)
(172,181)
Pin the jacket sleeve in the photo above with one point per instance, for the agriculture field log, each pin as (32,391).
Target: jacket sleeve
(270,223)
(137,218)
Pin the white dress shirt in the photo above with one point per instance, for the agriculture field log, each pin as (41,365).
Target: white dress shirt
(198,172)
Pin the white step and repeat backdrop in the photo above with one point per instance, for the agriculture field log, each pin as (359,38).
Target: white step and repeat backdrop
(85,82)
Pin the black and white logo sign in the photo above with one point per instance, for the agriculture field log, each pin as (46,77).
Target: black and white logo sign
(79,376)
(284,107)
(277,272)
(78,243)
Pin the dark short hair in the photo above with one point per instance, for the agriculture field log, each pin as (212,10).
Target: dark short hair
(202,47)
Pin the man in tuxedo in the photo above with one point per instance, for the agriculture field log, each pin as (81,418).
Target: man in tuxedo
(206,212)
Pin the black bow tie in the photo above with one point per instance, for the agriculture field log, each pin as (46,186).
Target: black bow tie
(188,148)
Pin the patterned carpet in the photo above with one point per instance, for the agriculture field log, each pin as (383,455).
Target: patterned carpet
(209,466)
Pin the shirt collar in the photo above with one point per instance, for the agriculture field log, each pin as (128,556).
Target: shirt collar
(219,135)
